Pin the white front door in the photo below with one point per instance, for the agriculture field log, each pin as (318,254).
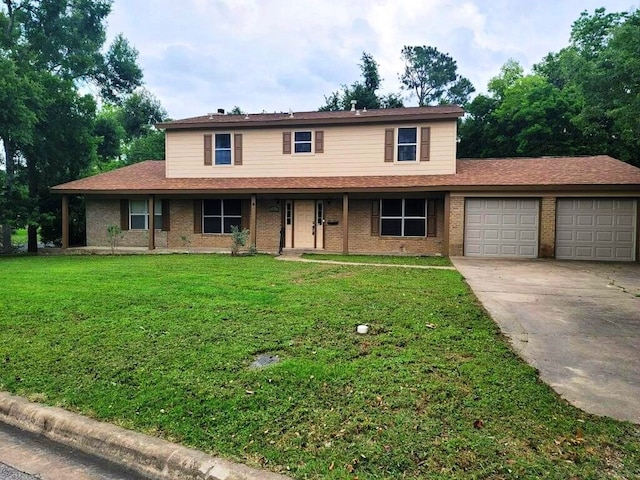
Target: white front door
(304,213)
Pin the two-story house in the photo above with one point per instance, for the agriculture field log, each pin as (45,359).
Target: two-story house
(377,181)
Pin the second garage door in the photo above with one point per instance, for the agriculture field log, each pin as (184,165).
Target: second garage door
(595,229)
(501,227)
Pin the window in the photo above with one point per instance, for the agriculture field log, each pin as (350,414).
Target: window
(403,217)
(223,149)
(302,142)
(289,213)
(407,144)
(319,213)
(139,215)
(218,216)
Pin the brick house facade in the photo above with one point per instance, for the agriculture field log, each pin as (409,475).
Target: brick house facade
(383,181)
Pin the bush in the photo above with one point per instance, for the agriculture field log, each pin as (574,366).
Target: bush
(238,239)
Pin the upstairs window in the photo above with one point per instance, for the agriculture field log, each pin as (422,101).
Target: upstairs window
(219,215)
(302,142)
(403,217)
(223,149)
(407,144)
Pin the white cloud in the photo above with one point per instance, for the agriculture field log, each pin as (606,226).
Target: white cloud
(199,55)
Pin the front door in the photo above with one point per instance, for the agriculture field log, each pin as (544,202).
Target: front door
(304,212)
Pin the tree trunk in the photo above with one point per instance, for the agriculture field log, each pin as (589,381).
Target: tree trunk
(32,239)
(8,191)
(32,230)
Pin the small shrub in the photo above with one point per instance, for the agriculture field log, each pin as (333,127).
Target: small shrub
(253,250)
(114,233)
(238,239)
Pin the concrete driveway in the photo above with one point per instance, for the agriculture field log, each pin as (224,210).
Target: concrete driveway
(578,323)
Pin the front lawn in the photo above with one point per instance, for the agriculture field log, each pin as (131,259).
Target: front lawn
(163,344)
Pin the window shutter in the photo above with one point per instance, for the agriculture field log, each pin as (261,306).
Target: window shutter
(425,143)
(237,149)
(286,143)
(124,214)
(375,217)
(208,154)
(432,219)
(166,212)
(388,145)
(197,216)
(319,141)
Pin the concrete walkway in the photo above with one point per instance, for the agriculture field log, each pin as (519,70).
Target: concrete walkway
(298,258)
(578,323)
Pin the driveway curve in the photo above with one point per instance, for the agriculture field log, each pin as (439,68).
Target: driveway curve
(578,323)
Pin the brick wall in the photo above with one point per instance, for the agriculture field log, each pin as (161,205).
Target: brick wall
(268,225)
(456,226)
(104,212)
(547,227)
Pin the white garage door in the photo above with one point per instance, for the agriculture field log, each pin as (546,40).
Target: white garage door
(595,229)
(501,227)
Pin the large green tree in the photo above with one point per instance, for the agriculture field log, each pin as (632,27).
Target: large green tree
(584,99)
(432,76)
(48,48)
(364,92)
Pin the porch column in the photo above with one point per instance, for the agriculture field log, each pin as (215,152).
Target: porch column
(345,223)
(65,221)
(253,221)
(447,223)
(152,228)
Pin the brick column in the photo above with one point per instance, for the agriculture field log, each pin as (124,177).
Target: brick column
(547,227)
(456,226)
(345,223)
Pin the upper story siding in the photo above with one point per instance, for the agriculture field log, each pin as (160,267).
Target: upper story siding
(351,144)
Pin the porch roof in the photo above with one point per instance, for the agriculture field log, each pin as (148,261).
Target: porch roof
(552,173)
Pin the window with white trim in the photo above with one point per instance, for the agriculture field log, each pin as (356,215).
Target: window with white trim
(406,217)
(139,215)
(222,151)
(407,144)
(303,142)
(218,216)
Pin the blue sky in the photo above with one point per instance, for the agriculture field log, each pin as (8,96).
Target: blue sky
(276,55)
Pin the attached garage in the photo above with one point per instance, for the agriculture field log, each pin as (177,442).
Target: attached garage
(596,229)
(501,227)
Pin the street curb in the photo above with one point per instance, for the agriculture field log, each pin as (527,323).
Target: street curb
(149,456)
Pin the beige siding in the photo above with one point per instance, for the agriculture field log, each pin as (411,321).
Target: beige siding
(348,151)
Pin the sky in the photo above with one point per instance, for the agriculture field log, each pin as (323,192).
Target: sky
(276,55)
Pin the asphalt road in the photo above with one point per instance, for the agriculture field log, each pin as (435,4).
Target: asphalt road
(8,473)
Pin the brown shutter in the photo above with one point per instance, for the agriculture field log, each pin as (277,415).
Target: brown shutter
(237,149)
(124,214)
(319,141)
(286,143)
(425,143)
(375,217)
(197,216)
(245,209)
(432,219)
(166,215)
(388,145)
(208,154)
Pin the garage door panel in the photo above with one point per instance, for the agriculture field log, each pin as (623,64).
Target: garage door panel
(508,227)
(596,229)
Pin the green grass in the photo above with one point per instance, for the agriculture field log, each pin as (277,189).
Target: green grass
(162,344)
(19,237)
(390,259)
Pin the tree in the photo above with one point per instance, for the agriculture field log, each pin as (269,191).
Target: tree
(364,92)
(140,111)
(433,77)
(47,49)
(147,147)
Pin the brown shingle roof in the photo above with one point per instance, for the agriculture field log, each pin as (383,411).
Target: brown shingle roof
(408,114)
(473,174)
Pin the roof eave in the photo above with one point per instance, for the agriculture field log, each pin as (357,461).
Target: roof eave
(293,122)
